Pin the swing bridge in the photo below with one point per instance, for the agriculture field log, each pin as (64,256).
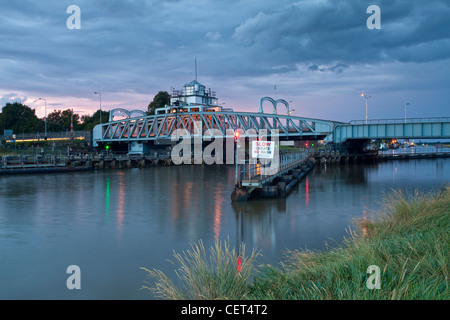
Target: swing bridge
(137,127)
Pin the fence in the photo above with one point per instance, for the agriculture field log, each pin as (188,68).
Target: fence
(38,136)
(259,169)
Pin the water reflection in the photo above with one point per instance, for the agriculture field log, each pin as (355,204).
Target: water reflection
(256,221)
(107,201)
(121,201)
(307,191)
(125,219)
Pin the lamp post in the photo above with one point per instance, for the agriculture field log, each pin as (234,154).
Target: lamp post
(367,99)
(71,124)
(100,94)
(45,134)
(406,104)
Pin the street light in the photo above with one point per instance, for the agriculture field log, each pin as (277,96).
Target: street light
(45,134)
(99,93)
(367,99)
(291,110)
(71,124)
(406,104)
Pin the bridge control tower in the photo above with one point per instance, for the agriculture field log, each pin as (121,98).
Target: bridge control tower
(194,97)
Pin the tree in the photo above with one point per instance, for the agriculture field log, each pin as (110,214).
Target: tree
(60,120)
(55,122)
(20,118)
(159,101)
(89,122)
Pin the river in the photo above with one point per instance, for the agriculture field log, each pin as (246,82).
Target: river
(110,223)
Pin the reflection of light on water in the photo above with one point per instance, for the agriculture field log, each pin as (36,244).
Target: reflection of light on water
(187,194)
(121,203)
(393,174)
(307,191)
(218,213)
(364,229)
(256,222)
(107,200)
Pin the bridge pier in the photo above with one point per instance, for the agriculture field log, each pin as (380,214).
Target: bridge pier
(239,194)
(278,187)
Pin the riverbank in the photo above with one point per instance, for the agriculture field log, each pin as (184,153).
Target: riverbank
(407,242)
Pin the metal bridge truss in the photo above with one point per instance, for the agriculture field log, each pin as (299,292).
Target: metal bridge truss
(162,126)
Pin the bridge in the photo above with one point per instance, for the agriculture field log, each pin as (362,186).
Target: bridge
(414,128)
(194,111)
(161,127)
(158,129)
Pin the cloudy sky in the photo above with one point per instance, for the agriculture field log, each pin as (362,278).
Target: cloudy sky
(320,54)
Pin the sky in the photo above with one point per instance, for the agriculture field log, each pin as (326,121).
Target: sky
(319,55)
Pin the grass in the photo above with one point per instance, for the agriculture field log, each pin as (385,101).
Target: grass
(206,277)
(409,242)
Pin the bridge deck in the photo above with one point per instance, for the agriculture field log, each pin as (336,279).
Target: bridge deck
(225,123)
(418,128)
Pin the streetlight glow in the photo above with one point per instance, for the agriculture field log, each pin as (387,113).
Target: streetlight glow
(406,104)
(99,93)
(367,99)
(45,134)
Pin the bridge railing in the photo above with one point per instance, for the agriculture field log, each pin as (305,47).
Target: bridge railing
(403,120)
(257,169)
(33,160)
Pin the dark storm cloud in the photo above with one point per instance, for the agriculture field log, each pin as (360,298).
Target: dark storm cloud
(143,46)
(245,36)
(327,31)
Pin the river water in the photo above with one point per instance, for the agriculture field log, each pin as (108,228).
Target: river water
(110,223)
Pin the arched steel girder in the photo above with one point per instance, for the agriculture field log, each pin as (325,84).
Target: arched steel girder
(124,112)
(274,103)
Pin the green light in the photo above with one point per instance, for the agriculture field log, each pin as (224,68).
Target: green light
(107,146)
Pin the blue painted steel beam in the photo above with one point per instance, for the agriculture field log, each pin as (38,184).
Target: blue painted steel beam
(421,128)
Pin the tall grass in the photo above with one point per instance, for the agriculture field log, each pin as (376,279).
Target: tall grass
(409,241)
(224,274)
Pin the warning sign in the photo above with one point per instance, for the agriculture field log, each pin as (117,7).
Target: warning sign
(263,149)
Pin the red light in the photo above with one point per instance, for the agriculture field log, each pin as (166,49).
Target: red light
(236,135)
(239,264)
(306,144)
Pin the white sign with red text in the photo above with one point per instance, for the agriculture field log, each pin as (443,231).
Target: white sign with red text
(263,149)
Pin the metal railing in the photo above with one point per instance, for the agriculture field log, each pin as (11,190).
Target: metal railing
(261,169)
(23,161)
(416,150)
(402,120)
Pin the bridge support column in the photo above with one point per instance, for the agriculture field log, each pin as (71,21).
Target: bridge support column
(281,189)
(239,194)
